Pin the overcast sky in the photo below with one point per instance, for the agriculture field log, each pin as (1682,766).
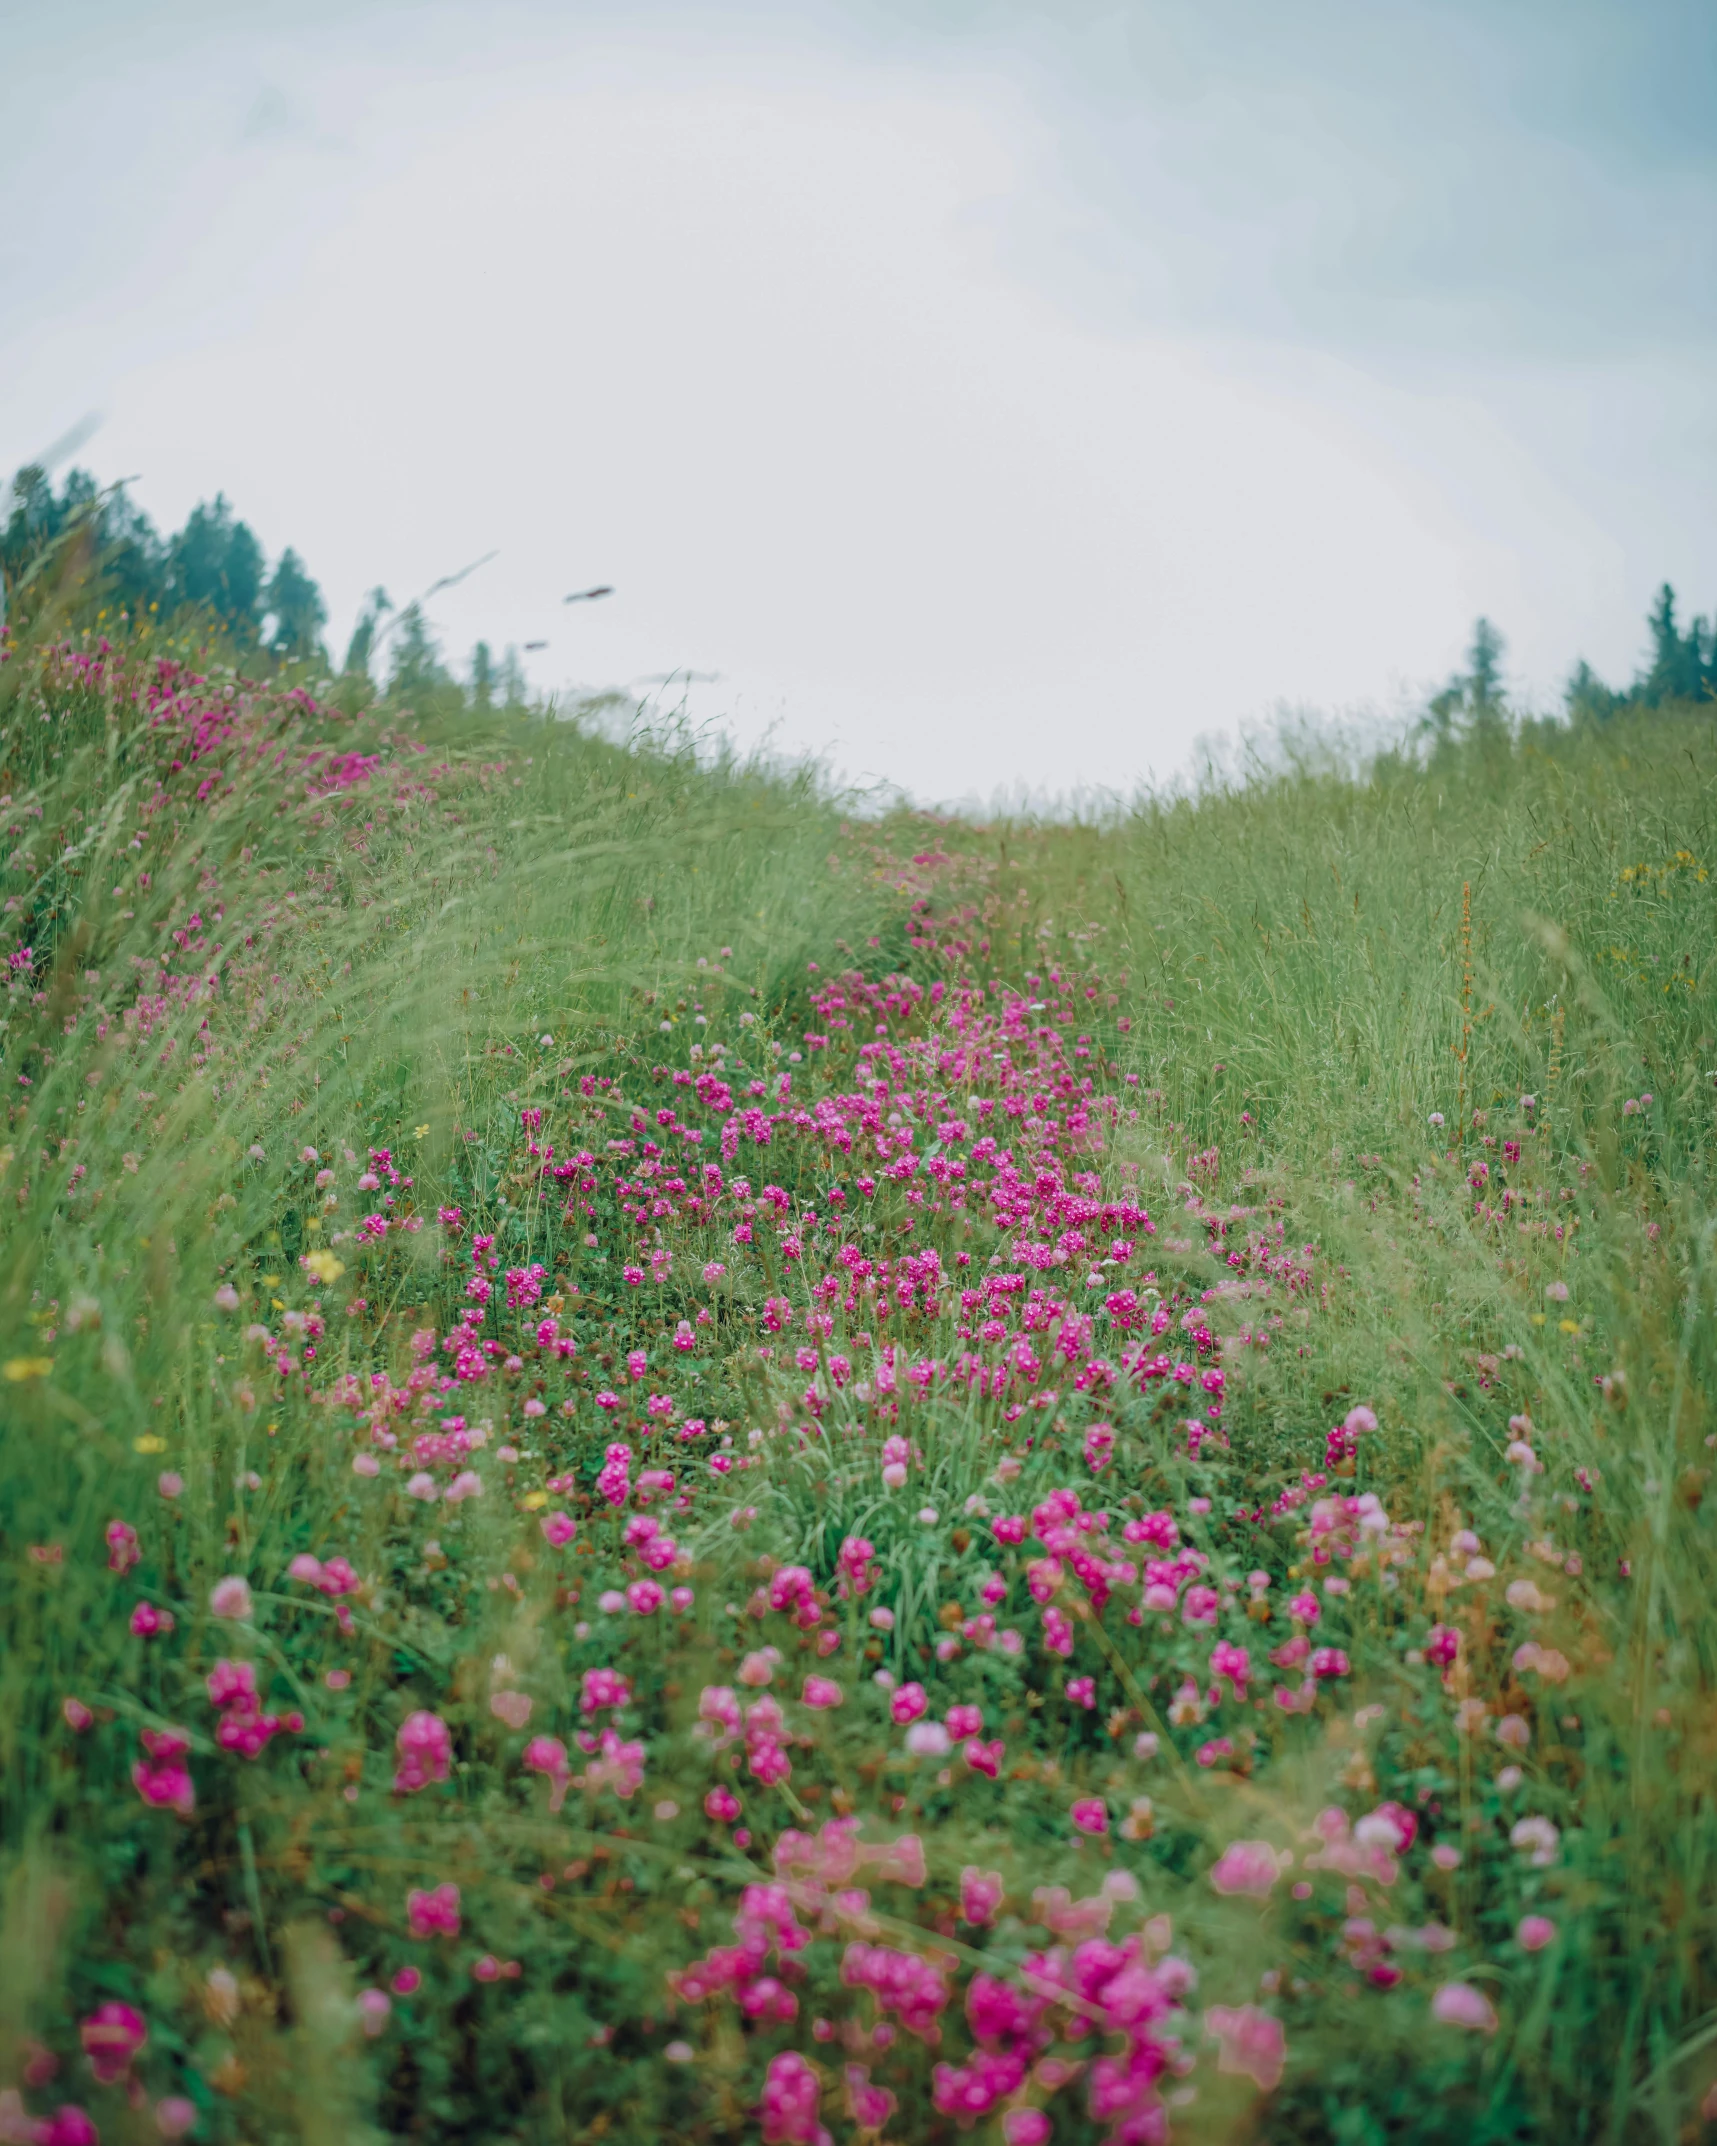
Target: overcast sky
(979,394)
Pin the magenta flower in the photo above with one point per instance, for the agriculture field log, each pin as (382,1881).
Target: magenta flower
(981,1893)
(232,1684)
(789,2108)
(161,1778)
(604,1688)
(68,2126)
(111,2036)
(908,1703)
(547,1755)
(434,1913)
(425,1749)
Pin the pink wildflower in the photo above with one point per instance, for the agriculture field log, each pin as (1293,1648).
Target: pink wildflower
(230,1598)
(1249,1867)
(1253,2044)
(111,2036)
(908,1703)
(161,1778)
(981,1893)
(789,2110)
(434,1913)
(1458,2004)
(425,1752)
(547,1755)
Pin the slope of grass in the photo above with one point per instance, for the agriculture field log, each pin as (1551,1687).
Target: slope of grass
(410,1110)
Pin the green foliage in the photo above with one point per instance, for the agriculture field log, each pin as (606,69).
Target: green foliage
(266,929)
(1682,671)
(84,554)
(296,612)
(415,666)
(358,649)
(215,564)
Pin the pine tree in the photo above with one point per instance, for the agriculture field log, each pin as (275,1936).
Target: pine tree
(358,648)
(1682,666)
(1588,699)
(215,563)
(1472,707)
(1486,707)
(512,679)
(417,666)
(296,612)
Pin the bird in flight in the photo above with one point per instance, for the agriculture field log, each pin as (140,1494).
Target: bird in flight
(588,596)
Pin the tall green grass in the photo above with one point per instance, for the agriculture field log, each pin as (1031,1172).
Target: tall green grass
(1299,970)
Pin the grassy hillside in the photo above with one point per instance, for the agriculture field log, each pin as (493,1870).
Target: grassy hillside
(676,1467)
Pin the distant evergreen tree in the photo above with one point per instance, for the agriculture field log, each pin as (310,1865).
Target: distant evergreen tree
(123,558)
(1682,671)
(358,648)
(216,563)
(512,679)
(417,666)
(1487,709)
(133,558)
(1484,667)
(482,677)
(1472,707)
(1681,663)
(1589,700)
(294,608)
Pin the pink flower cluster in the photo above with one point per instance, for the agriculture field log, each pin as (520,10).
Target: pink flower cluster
(243,1726)
(161,1776)
(425,1747)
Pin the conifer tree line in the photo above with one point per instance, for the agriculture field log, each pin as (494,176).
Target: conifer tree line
(215,566)
(101,554)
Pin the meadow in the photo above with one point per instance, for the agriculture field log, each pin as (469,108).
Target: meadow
(677,1463)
